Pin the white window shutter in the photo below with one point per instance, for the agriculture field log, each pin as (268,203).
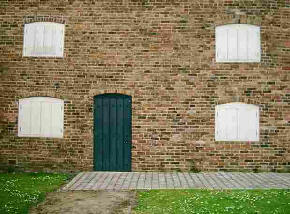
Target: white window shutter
(221,44)
(59,39)
(28,44)
(248,124)
(41,117)
(24,118)
(238,43)
(48,40)
(237,122)
(242,43)
(39,39)
(35,118)
(43,39)
(254,46)
(57,120)
(218,129)
(232,44)
(226,123)
(46,111)
(231,123)
(257,124)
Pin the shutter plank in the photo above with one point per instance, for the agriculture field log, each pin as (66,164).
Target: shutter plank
(242,44)
(59,40)
(46,113)
(35,118)
(248,124)
(24,119)
(28,43)
(55,41)
(221,124)
(217,133)
(254,46)
(221,44)
(231,123)
(39,40)
(48,40)
(56,120)
(232,44)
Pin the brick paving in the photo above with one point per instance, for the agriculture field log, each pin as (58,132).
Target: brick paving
(177,180)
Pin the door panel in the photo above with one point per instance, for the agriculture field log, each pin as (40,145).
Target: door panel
(112,132)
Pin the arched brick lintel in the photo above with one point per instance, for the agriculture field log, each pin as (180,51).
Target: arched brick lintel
(113,91)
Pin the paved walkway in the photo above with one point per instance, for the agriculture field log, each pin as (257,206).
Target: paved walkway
(177,180)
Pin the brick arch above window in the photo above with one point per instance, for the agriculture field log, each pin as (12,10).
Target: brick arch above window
(95,92)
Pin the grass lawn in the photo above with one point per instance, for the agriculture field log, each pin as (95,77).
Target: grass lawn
(21,190)
(213,201)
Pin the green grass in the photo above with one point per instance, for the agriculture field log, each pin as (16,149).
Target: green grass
(19,191)
(213,201)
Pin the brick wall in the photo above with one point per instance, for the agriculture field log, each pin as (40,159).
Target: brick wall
(162,53)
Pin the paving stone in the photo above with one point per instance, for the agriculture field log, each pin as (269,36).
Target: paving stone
(169,181)
(155,180)
(111,185)
(148,180)
(78,185)
(73,181)
(176,182)
(162,181)
(94,181)
(127,181)
(140,181)
(183,181)
(90,180)
(120,181)
(197,182)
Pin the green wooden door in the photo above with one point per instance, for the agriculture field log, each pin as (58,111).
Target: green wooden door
(112,132)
